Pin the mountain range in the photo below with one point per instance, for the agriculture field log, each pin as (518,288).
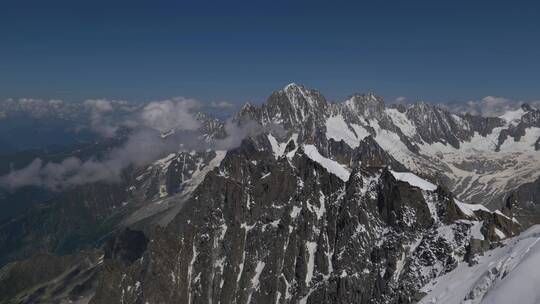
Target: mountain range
(317,202)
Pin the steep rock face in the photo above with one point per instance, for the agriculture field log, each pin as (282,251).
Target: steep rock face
(483,125)
(126,247)
(307,114)
(263,229)
(294,106)
(530,118)
(370,154)
(74,220)
(368,106)
(437,125)
(170,174)
(524,204)
(211,127)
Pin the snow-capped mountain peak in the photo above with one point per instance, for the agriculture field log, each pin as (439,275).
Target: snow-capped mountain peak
(467,152)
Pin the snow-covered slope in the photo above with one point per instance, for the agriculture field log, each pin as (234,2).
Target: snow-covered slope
(167,183)
(414,180)
(330,165)
(507,274)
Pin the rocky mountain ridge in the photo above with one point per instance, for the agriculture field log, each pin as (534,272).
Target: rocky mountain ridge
(292,229)
(471,155)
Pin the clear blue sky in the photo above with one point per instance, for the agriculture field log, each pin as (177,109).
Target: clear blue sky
(238,51)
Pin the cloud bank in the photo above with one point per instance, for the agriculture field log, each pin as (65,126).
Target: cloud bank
(171,114)
(489,106)
(140,148)
(143,146)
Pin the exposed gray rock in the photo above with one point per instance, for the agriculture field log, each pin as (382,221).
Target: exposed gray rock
(524,204)
(437,125)
(286,230)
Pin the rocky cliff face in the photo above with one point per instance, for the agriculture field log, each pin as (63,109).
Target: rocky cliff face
(524,203)
(286,230)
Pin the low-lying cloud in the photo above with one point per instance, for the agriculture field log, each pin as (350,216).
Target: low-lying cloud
(140,148)
(143,146)
(489,106)
(221,104)
(100,121)
(171,114)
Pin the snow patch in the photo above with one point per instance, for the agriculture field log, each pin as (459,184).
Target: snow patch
(337,129)
(513,117)
(278,149)
(507,274)
(402,122)
(469,209)
(255,282)
(414,180)
(311,249)
(330,165)
(500,234)
(476,231)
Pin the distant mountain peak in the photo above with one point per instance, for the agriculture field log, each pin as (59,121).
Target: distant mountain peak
(248,106)
(526,107)
(291,85)
(368,105)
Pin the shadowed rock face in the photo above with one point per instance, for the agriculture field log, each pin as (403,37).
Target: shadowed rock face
(126,247)
(370,154)
(69,223)
(483,125)
(286,230)
(46,278)
(524,204)
(436,125)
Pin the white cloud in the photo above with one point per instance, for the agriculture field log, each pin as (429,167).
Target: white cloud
(488,106)
(100,121)
(221,104)
(56,103)
(400,100)
(176,113)
(99,105)
(141,148)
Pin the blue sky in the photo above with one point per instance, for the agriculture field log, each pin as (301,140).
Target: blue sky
(239,51)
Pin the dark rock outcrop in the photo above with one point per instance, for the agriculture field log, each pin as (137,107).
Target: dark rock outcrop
(523,204)
(126,247)
(286,230)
